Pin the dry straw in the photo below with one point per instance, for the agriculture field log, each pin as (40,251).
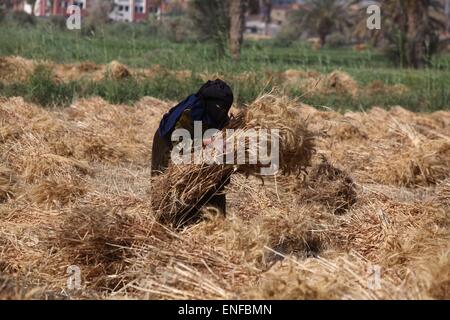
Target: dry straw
(75,190)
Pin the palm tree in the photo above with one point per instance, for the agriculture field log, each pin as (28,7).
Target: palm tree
(211,21)
(222,21)
(417,25)
(237,26)
(322,17)
(411,28)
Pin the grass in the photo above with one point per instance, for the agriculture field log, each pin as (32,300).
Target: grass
(140,46)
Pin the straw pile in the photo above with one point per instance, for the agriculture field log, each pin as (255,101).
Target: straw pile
(117,70)
(336,82)
(312,82)
(408,150)
(325,185)
(15,69)
(378,87)
(75,191)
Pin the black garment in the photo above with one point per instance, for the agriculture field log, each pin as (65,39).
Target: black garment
(218,99)
(219,91)
(160,154)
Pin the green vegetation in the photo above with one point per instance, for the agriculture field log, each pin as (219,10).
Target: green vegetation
(144,45)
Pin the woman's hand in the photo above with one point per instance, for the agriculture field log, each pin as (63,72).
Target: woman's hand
(207,141)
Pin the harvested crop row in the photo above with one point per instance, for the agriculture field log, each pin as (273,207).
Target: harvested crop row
(75,191)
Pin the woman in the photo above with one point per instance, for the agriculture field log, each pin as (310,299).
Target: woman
(210,105)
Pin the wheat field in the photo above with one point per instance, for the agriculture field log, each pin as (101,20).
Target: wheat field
(368,219)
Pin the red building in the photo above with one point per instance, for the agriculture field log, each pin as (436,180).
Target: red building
(123,10)
(59,7)
(43,8)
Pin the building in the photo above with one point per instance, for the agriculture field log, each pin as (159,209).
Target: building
(123,10)
(134,10)
(281,9)
(279,12)
(45,8)
(21,6)
(140,10)
(59,7)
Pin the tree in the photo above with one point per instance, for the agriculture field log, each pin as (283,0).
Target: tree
(322,17)
(415,27)
(211,21)
(98,14)
(410,28)
(222,21)
(266,13)
(237,26)
(6,4)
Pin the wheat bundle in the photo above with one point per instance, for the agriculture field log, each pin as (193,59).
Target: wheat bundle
(77,71)
(97,125)
(378,87)
(281,113)
(423,164)
(339,82)
(15,69)
(312,82)
(182,187)
(37,166)
(178,193)
(325,185)
(57,191)
(117,71)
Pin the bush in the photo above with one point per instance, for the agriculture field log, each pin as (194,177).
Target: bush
(288,34)
(98,16)
(58,22)
(400,50)
(2,14)
(116,91)
(176,29)
(336,40)
(43,89)
(23,18)
(211,21)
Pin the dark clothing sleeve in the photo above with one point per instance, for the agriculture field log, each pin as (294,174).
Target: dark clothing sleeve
(162,146)
(160,154)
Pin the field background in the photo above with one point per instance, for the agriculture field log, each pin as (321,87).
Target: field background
(137,47)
